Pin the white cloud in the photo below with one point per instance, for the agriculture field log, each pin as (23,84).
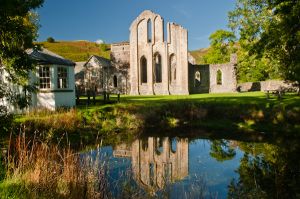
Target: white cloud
(99,41)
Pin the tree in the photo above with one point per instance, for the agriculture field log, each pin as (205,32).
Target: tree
(50,40)
(281,38)
(221,151)
(267,171)
(221,46)
(269,32)
(18,30)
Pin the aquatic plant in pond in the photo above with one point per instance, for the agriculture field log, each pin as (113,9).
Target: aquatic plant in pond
(179,168)
(268,171)
(37,170)
(154,167)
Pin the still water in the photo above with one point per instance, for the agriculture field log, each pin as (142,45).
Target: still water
(165,167)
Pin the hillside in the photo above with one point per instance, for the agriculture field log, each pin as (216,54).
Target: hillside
(77,50)
(82,50)
(198,55)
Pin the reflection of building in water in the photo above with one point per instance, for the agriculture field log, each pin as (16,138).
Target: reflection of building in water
(122,151)
(156,161)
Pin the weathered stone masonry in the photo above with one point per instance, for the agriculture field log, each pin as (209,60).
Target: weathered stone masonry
(213,78)
(159,67)
(156,66)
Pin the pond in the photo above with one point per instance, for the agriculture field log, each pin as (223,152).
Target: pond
(182,167)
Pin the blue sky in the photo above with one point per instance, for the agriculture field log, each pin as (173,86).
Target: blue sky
(109,20)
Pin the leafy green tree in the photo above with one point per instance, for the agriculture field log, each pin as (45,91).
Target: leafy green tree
(220,150)
(281,38)
(251,68)
(269,38)
(221,46)
(18,30)
(50,40)
(2,168)
(267,171)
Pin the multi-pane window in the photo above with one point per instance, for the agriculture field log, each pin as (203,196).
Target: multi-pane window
(44,74)
(62,77)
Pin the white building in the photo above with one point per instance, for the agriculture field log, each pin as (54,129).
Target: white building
(54,77)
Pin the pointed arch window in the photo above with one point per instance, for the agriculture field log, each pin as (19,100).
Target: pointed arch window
(174,145)
(144,144)
(197,79)
(143,70)
(149,31)
(219,77)
(173,68)
(158,144)
(157,68)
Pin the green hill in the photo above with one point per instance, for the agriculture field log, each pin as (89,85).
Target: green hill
(198,55)
(82,50)
(77,50)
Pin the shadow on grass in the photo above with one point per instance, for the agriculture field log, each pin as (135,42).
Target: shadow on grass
(239,112)
(258,98)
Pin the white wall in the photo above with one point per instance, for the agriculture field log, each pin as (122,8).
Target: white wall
(54,98)
(51,98)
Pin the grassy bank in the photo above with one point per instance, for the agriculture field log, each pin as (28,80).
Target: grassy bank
(77,50)
(231,112)
(219,116)
(213,112)
(34,169)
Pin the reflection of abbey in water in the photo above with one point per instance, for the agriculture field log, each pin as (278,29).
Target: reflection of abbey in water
(156,161)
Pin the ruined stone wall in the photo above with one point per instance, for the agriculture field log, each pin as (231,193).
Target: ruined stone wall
(120,59)
(228,71)
(178,39)
(157,161)
(120,52)
(79,78)
(265,85)
(199,79)
(147,43)
(203,78)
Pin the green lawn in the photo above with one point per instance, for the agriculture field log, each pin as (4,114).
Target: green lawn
(258,98)
(232,116)
(227,112)
(77,50)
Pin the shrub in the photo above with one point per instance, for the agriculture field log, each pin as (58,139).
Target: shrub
(50,40)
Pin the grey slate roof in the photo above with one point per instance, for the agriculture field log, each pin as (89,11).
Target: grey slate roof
(100,60)
(45,56)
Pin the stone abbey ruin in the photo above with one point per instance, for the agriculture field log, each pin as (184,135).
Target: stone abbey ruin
(149,64)
(156,161)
